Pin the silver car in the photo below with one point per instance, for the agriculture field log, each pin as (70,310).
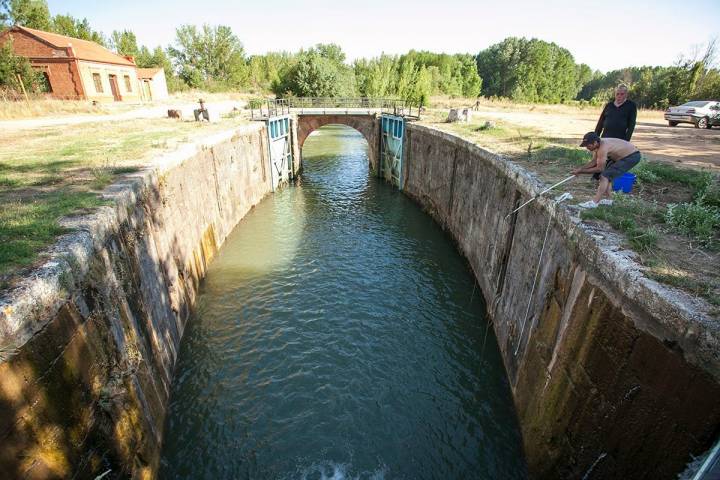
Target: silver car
(701,113)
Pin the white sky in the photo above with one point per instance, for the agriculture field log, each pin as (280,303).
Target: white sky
(605,35)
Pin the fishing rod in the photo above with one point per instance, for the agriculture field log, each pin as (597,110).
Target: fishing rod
(539,194)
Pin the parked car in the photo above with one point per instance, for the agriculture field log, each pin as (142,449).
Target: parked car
(701,113)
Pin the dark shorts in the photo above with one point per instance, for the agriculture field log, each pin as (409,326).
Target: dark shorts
(615,169)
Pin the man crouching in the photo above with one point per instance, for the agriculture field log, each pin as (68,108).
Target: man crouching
(611,157)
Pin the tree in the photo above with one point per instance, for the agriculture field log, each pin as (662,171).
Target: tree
(11,66)
(124,43)
(211,55)
(529,70)
(375,77)
(313,76)
(318,72)
(73,27)
(29,13)
(331,51)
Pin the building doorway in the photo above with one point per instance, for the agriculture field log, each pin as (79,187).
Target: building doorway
(114,87)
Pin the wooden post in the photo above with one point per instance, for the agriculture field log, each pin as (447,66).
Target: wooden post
(22,85)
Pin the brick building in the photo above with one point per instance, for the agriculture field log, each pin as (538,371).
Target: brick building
(152,83)
(77,69)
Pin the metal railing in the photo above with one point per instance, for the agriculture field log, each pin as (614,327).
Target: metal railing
(334,105)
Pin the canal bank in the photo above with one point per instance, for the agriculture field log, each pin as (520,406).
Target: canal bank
(89,340)
(612,377)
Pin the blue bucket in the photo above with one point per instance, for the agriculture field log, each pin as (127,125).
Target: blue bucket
(624,183)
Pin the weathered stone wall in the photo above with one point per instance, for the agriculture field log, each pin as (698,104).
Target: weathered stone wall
(613,375)
(89,342)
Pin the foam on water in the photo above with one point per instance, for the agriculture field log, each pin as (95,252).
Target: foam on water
(328,470)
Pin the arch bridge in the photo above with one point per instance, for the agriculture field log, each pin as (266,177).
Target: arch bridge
(381,121)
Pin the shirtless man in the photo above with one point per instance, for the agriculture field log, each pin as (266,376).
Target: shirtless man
(611,158)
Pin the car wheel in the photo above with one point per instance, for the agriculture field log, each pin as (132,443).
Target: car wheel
(702,123)
(673,124)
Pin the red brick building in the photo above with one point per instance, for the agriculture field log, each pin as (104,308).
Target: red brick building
(75,68)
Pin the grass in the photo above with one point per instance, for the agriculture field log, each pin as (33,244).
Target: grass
(633,217)
(53,172)
(39,106)
(27,226)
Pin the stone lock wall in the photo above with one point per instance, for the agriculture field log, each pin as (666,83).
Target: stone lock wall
(612,376)
(89,342)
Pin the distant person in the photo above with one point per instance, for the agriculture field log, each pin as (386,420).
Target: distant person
(611,158)
(617,119)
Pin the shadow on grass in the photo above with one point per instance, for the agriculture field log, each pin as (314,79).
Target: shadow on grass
(26,227)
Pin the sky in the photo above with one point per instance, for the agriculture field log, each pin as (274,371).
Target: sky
(605,35)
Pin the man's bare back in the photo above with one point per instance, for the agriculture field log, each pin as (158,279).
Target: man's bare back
(614,149)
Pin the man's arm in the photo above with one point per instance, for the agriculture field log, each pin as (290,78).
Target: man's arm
(631,122)
(597,164)
(601,121)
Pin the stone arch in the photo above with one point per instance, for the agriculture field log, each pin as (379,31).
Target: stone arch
(367,125)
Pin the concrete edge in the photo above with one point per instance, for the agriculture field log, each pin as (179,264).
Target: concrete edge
(27,306)
(673,316)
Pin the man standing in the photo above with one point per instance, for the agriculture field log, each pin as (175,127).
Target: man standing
(611,157)
(617,119)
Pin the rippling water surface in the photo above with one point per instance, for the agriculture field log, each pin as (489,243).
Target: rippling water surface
(338,335)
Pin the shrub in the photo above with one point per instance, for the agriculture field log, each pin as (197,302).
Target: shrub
(645,173)
(709,194)
(694,220)
(255,103)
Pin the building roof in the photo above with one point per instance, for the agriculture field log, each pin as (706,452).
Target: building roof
(84,49)
(147,72)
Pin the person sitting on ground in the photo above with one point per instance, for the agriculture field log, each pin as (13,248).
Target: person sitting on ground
(617,119)
(611,157)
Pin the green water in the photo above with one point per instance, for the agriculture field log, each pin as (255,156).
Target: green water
(338,335)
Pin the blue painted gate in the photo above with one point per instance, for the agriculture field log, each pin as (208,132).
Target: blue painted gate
(280,146)
(392,133)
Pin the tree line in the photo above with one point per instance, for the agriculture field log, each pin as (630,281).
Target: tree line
(526,70)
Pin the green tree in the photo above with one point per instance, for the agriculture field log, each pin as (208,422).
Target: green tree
(528,70)
(125,43)
(313,76)
(210,56)
(330,51)
(29,13)
(376,77)
(318,72)
(11,66)
(73,27)
(269,71)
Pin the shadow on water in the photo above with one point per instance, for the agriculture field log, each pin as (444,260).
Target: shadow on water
(335,337)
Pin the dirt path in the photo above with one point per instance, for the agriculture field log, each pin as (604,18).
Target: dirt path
(159,111)
(683,144)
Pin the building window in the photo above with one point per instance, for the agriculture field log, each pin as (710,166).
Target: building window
(98,83)
(128,86)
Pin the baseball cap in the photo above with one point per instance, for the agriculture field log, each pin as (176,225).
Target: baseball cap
(588,138)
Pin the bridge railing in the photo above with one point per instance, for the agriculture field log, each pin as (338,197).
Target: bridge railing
(334,105)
